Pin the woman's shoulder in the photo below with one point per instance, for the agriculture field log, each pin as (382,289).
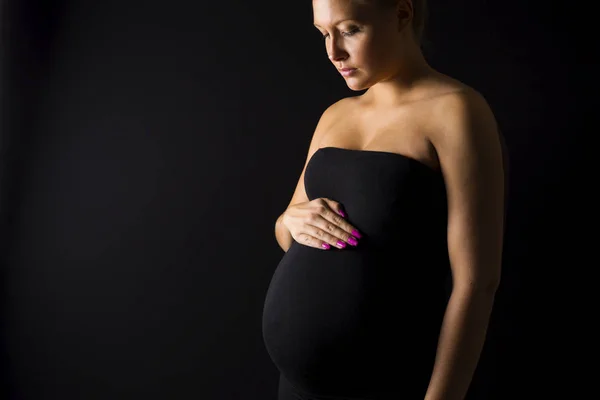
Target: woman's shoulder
(459,101)
(444,98)
(460,118)
(338,109)
(441,88)
(342,104)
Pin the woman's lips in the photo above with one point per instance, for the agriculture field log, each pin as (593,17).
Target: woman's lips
(347,71)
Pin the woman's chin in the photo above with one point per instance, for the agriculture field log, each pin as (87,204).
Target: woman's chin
(356,84)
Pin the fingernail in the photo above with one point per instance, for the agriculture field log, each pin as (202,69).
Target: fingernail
(356,233)
(325,246)
(342,213)
(352,241)
(341,243)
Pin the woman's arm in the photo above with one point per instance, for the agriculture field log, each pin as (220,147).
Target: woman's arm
(470,154)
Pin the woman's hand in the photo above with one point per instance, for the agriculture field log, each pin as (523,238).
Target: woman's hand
(319,223)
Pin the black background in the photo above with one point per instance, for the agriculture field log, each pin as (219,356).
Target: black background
(148,147)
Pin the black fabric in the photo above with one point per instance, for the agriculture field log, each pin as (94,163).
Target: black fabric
(363,322)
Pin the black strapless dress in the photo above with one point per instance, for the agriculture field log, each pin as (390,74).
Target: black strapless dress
(363,322)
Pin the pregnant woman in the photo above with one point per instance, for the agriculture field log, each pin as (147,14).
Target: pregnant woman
(403,188)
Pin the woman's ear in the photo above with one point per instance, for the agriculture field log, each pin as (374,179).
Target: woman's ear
(404,12)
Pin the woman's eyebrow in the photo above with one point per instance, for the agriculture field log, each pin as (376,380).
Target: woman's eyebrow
(336,22)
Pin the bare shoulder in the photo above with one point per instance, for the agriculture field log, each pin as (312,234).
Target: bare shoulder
(460,113)
(340,107)
(470,147)
(468,140)
(332,114)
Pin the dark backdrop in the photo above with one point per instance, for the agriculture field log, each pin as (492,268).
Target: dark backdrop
(148,147)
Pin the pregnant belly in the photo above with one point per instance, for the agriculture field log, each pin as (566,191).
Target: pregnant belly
(346,321)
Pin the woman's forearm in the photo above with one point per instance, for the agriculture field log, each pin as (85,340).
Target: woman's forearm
(460,343)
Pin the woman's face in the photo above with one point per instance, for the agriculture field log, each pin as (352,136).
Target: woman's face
(360,36)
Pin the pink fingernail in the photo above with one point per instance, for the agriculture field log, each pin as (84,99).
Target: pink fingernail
(325,246)
(356,233)
(342,213)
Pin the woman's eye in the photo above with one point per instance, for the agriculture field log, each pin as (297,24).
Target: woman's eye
(349,33)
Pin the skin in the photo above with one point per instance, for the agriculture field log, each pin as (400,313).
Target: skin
(412,109)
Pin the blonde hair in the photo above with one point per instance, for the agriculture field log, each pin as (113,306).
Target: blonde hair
(420,13)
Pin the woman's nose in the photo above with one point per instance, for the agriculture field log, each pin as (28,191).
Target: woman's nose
(336,54)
